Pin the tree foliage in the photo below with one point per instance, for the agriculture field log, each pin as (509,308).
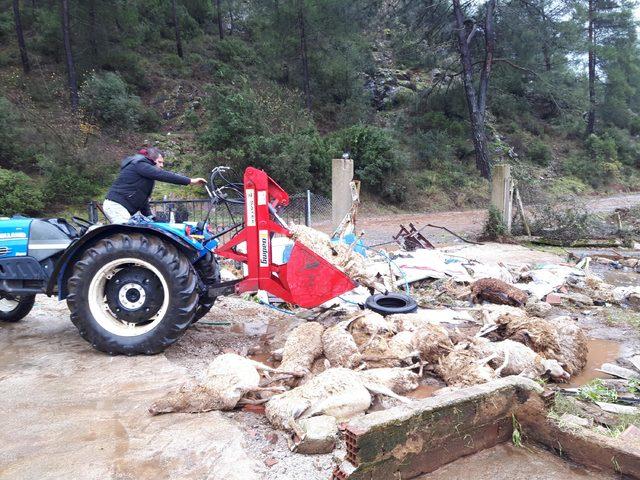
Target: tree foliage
(287,85)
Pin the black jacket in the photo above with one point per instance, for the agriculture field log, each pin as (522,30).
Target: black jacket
(134,184)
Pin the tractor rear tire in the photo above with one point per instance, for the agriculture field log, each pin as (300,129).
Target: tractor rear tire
(132,294)
(14,310)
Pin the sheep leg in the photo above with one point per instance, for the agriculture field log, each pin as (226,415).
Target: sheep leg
(484,361)
(382,390)
(268,389)
(504,364)
(296,429)
(251,401)
(271,380)
(487,329)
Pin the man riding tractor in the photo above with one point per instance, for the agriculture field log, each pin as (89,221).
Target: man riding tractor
(132,189)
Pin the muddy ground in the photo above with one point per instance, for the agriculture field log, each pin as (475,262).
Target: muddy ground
(68,411)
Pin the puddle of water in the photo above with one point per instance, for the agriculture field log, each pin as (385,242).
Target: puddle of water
(506,462)
(263,358)
(600,351)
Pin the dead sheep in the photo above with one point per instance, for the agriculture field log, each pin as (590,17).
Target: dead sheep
(558,339)
(497,291)
(302,347)
(337,392)
(228,379)
(399,380)
(431,340)
(366,325)
(340,348)
(513,358)
(462,367)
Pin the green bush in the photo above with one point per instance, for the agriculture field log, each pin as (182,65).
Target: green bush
(129,65)
(234,116)
(10,151)
(149,120)
(105,98)
(538,152)
(494,228)
(175,66)
(235,51)
(19,194)
(6,25)
(72,180)
(374,151)
(599,166)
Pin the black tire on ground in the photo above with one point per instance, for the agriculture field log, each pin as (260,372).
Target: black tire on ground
(391,303)
(14,313)
(161,281)
(209,273)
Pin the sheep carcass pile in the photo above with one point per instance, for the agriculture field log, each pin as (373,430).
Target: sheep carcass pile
(229,378)
(558,339)
(338,254)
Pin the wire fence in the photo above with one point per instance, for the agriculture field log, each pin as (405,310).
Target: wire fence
(304,208)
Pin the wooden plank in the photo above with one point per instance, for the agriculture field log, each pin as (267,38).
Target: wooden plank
(524,217)
(618,371)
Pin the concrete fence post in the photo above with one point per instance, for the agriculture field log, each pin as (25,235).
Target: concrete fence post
(341,177)
(502,193)
(307,210)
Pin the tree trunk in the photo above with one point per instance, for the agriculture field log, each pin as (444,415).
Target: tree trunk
(176,26)
(92,29)
(476,103)
(546,49)
(219,15)
(71,68)
(591,119)
(303,55)
(23,48)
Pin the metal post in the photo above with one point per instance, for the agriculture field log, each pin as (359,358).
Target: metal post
(93,214)
(307,210)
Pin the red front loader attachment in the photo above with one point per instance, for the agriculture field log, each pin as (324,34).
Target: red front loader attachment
(306,279)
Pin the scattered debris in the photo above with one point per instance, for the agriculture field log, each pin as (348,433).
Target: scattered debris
(618,371)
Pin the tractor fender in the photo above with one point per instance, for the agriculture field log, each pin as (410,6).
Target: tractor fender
(64,265)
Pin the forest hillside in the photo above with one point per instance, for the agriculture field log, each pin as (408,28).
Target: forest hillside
(424,95)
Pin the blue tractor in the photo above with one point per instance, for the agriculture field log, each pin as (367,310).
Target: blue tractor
(131,288)
(135,288)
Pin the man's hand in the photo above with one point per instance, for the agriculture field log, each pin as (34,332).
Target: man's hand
(198,181)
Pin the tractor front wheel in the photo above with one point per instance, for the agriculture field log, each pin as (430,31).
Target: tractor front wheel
(132,294)
(14,309)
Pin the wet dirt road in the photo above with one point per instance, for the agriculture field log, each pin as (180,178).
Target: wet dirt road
(468,223)
(68,411)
